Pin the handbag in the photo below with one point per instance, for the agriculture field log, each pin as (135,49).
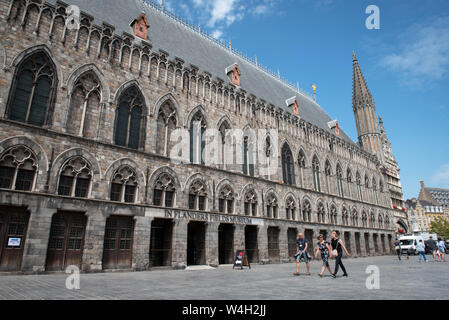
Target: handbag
(334,253)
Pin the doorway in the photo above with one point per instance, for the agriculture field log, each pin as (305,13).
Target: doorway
(66,243)
(13,229)
(161,242)
(251,245)
(358,247)
(118,243)
(273,244)
(376,245)
(308,234)
(292,234)
(367,247)
(196,240)
(225,243)
(348,242)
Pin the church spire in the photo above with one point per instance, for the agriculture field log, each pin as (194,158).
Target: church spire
(365,112)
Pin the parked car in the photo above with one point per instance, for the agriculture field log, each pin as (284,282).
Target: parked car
(409,242)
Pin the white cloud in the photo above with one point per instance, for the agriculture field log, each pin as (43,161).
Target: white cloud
(217,34)
(440,179)
(424,54)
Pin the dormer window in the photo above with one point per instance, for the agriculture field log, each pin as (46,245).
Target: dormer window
(233,72)
(293,103)
(140,26)
(333,125)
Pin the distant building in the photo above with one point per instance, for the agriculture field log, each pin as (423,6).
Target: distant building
(432,203)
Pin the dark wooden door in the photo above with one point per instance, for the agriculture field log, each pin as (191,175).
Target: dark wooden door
(118,243)
(251,245)
(225,244)
(292,247)
(13,228)
(66,243)
(196,243)
(161,242)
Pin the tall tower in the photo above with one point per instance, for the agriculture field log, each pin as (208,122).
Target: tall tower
(365,112)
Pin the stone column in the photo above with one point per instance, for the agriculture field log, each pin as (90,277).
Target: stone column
(283,243)
(262,244)
(93,241)
(142,240)
(179,245)
(239,237)
(36,243)
(212,243)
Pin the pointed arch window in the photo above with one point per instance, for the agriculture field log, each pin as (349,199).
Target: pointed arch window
(124,185)
(197,196)
(197,138)
(226,200)
(226,142)
(340,181)
(164,191)
(321,215)
(167,121)
(33,90)
(290,209)
(302,167)
(18,167)
(288,170)
(376,196)
(328,173)
(85,106)
(306,211)
(349,181)
(75,178)
(345,216)
(316,174)
(248,156)
(372,220)
(355,218)
(381,222)
(364,219)
(367,188)
(333,215)
(129,127)
(272,206)
(250,203)
(359,186)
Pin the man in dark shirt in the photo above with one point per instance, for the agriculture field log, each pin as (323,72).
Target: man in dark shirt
(397,246)
(302,255)
(432,247)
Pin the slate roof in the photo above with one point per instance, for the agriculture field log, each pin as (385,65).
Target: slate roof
(440,195)
(179,40)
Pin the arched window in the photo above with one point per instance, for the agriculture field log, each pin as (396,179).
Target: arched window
(18,167)
(288,169)
(164,191)
(355,218)
(167,120)
(333,215)
(124,185)
(248,156)
(359,186)
(129,125)
(328,173)
(316,174)
(197,138)
(387,221)
(272,206)
(364,219)
(372,220)
(226,142)
(381,222)
(376,196)
(345,216)
(197,196)
(85,106)
(340,181)
(290,209)
(321,214)
(33,90)
(250,203)
(302,167)
(381,186)
(306,211)
(367,188)
(226,200)
(349,181)
(75,178)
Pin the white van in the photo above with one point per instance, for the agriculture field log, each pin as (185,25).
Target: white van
(409,241)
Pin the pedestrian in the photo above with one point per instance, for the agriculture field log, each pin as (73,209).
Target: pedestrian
(337,252)
(421,251)
(324,248)
(397,247)
(302,255)
(432,247)
(442,249)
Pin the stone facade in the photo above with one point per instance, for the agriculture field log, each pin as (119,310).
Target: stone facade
(116,63)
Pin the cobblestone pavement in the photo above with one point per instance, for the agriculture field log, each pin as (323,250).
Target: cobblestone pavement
(398,280)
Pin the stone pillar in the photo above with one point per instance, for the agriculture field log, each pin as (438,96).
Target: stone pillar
(212,243)
(93,242)
(36,243)
(142,240)
(262,244)
(239,237)
(179,245)
(283,244)
(362,245)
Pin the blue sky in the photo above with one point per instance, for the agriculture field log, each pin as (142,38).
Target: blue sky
(406,64)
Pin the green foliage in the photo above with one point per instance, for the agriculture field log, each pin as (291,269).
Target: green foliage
(440,226)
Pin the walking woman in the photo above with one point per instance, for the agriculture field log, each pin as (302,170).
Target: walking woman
(323,246)
(337,252)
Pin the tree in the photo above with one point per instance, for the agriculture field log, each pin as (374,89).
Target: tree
(440,226)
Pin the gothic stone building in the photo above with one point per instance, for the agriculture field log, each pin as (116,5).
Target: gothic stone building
(85,178)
